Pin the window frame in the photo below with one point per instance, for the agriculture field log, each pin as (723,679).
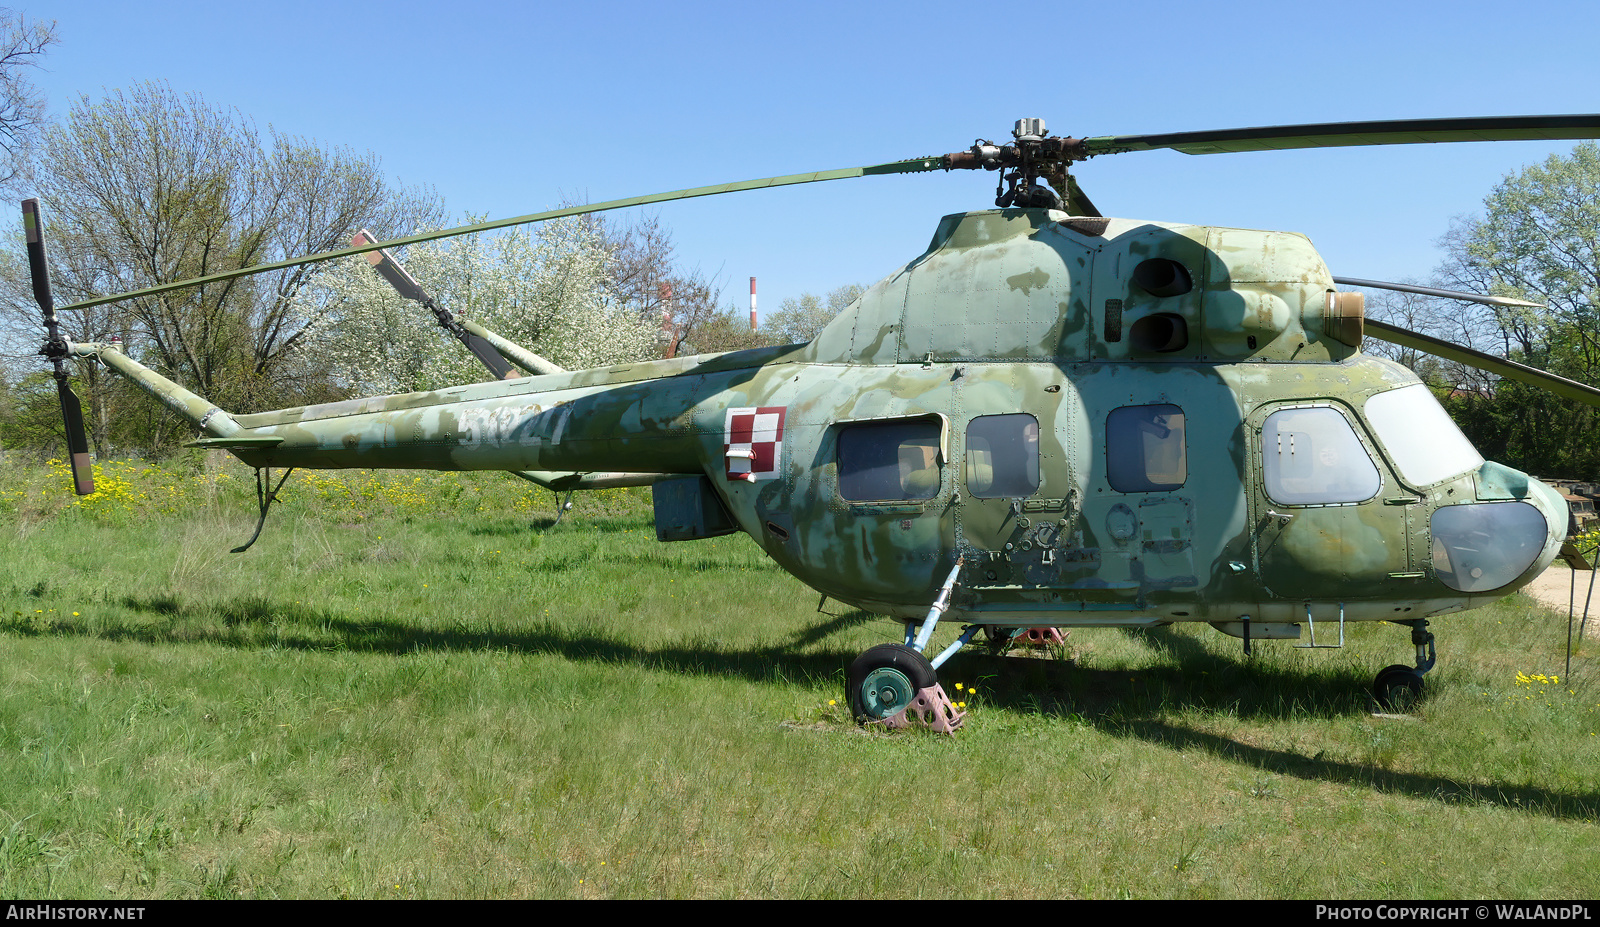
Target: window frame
(1035,470)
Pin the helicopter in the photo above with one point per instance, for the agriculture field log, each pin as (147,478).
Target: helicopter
(1048,418)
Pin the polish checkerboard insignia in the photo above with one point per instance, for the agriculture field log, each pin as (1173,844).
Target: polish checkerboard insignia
(752,442)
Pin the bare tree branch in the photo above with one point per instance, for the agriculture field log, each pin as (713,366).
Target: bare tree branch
(22,43)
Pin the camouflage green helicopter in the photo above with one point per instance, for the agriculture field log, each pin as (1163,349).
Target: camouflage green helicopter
(1047,418)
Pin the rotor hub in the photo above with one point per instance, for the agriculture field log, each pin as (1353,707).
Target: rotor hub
(1032,156)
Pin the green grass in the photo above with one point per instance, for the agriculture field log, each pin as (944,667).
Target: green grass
(424,689)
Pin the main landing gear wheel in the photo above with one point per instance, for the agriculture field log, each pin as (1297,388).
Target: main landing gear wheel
(1398,687)
(884,680)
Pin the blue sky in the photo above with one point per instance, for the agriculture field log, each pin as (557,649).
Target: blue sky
(507,109)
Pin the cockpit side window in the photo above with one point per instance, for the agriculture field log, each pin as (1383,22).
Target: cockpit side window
(1424,443)
(1311,456)
(1145,449)
(1003,456)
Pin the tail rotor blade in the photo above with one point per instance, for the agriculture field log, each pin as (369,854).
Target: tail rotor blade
(408,288)
(77,439)
(38,269)
(57,350)
(489,357)
(389,269)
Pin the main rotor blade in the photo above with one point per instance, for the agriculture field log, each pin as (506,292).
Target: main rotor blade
(1343,134)
(1433,291)
(914,165)
(408,288)
(1511,370)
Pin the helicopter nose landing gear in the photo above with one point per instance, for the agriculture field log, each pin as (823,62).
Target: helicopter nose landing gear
(1399,687)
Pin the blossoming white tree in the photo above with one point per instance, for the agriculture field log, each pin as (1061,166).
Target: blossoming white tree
(549,289)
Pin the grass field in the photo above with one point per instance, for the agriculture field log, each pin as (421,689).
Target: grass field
(416,687)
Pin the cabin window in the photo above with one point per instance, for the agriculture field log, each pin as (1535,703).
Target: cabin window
(1003,456)
(894,460)
(1145,449)
(1311,456)
(1425,444)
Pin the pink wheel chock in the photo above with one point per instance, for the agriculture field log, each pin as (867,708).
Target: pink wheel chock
(931,709)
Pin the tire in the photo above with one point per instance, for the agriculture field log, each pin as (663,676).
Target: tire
(1398,688)
(881,682)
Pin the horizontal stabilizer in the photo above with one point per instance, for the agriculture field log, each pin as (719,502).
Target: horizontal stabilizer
(241,443)
(561,481)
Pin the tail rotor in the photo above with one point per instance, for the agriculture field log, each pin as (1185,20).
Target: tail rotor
(57,349)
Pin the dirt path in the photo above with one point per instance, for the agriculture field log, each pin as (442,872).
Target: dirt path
(1553,585)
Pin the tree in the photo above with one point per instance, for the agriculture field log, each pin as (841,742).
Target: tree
(645,277)
(1538,239)
(1464,323)
(146,187)
(728,329)
(21,105)
(31,417)
(549,288)
(8,407)
(801,319)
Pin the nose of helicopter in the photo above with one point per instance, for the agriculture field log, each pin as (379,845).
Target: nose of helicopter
(1553,506)
(1504,539)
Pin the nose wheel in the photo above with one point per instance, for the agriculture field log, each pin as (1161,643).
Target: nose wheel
(1399,687)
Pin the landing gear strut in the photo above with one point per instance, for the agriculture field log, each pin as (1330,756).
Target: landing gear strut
(1399,687)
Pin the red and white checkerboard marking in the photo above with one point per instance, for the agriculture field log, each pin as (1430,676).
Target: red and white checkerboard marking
(752,442)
